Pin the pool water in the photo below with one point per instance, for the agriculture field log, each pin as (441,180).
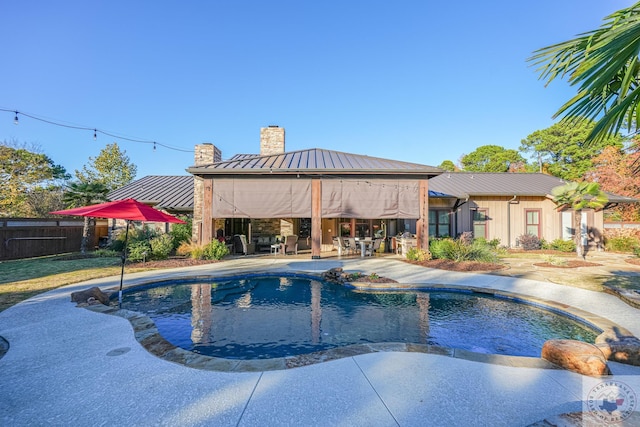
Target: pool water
(268,317)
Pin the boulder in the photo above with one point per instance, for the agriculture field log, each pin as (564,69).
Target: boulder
(90,296)
(619,346)
(334,275)
(576,356)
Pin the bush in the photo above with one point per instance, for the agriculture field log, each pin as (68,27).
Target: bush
(562,245)
(529,242)
(181,233)
(622,244)
(459,250)
(138,251)
(105,253)
(215,250)
(161,246)
(415,254)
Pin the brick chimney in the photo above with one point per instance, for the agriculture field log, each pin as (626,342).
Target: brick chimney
(207,153)
(271,140)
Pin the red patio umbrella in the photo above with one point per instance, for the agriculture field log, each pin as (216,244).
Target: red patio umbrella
(127,209)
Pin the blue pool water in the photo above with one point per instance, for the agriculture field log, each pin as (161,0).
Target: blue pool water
(267,317)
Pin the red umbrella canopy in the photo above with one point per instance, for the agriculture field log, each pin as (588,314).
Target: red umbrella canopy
(129,209)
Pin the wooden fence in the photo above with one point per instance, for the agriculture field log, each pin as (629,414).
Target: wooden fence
(33,237)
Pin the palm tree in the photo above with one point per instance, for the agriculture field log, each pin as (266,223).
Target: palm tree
(82,194)
(604,64)
(579,196)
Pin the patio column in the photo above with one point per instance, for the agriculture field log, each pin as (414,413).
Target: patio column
(207,211)
(316,218)
(422,225)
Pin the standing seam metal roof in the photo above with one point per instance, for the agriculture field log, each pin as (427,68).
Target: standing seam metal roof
(314,159)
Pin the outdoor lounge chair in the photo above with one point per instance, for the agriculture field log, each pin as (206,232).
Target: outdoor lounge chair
(290,245)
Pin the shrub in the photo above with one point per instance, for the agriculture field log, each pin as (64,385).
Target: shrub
(181,233)
(459,250)
(161,246)
(529,242)
(563,245)
(622,244)
(215,250)
(415,254)
(138,251)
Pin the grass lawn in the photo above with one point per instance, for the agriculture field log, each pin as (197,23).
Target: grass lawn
(22,279)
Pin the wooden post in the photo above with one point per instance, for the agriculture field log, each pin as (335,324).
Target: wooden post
(422,225)
(316,218)
(207,211)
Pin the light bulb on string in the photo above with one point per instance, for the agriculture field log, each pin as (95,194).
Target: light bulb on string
(15,120)
(154,146)
(95,134)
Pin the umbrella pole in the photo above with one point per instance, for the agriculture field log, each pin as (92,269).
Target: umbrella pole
(124,258)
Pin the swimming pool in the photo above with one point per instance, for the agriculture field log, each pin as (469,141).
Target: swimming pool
(269,317)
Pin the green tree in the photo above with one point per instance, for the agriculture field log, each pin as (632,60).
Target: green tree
(579,196)
(562,150)
(448,165)
(491,158)
(111,167)
(23,171)
(604,66)
(82,194)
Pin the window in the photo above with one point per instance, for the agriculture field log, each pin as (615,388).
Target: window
(480,224)
(439,223)
(532,225)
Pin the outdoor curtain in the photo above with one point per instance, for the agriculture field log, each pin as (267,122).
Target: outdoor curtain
(291,198)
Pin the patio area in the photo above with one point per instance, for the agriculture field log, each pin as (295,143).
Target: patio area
(72,366)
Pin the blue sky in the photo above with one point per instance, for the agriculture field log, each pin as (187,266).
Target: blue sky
(417,81)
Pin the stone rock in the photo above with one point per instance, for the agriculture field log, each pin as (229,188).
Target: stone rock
(576,356)
(89,296)
(334,275)
(619,346)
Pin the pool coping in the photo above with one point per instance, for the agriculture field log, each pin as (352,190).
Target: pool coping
(147,334)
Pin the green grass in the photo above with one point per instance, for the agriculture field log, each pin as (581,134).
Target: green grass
(22,279)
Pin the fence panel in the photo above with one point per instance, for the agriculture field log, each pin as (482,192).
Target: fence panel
(29,237)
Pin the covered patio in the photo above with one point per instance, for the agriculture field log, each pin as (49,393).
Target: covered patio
(314,194)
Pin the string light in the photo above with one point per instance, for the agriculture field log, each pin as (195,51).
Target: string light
(95,131)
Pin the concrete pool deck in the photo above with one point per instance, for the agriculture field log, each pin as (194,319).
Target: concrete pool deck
(71,366)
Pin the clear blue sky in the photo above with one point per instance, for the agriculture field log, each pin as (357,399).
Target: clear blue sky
(419,81)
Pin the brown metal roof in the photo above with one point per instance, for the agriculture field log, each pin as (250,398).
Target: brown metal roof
(313,161)
(466,184)
(169,192)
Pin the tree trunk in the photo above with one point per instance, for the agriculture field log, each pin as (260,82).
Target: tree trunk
(577,234)
(85,236)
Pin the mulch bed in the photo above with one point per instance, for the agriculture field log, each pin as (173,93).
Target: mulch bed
(634,261)
(447,264)
(568,264)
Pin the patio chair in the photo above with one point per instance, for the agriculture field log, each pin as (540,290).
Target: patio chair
(290,244)
(373,247)
(343,246)
(240,244)
(353,245)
